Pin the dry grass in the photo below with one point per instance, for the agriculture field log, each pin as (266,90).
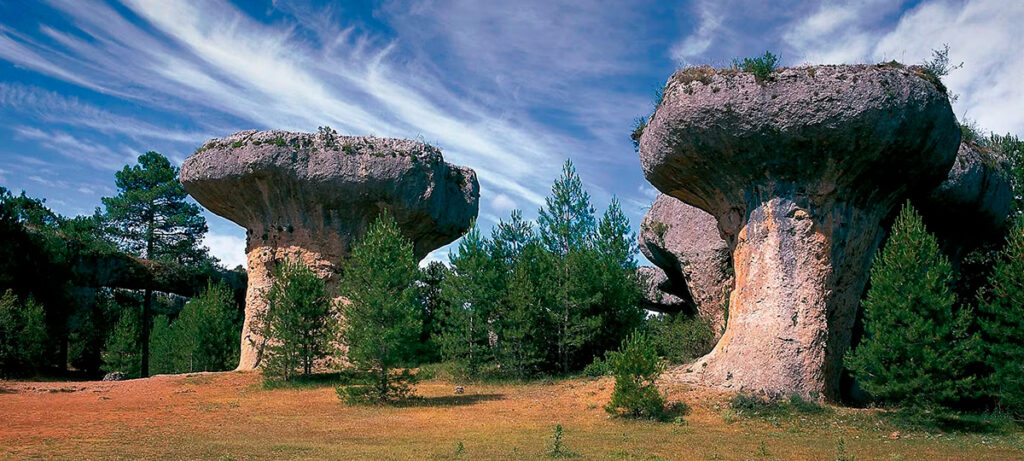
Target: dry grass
(230,416)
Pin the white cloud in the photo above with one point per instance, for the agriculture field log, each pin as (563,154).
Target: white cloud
(983,34)
(698,42)
(229,249)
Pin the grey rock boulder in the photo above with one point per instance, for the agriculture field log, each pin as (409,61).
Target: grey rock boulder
(685,243)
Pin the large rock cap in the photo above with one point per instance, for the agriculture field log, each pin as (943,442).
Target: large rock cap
(866,132)
(278,182)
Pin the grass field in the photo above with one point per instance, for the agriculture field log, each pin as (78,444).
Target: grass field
(230,415)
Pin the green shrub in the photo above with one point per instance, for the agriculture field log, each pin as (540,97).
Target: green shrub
(680,338)
(762,67)
(204,337)
(598,368)
(915,349)
(557,448)
(636,367)
(22,335)
(638,130)
(299,324)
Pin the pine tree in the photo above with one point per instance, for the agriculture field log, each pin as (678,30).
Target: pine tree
(150,218)
(619,282)
(523,324)
(382,323)
(567,229)
(202,338)
(432,308)
(1002,319)
(636,367)
(122,352)
(470,296)
(22,335)
(915,346)
(299,324)
(567,220)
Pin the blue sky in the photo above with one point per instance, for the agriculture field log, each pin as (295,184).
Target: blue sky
(510,88)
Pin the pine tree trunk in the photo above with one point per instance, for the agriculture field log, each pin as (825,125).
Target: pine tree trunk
(147,309)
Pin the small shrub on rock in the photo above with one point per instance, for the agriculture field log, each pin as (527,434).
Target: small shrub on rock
(762,67)
(636,367)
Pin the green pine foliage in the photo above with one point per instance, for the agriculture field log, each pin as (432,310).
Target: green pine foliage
(382,320)
(636,367)
(22,336)
(122,352)
(204,337)
(545,299)
(300,323)
(680,338)
(469,292)
(1001,310)
(916,346)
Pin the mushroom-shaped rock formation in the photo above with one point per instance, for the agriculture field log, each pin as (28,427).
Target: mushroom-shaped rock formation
(684,242)
(309,196)
(972,204)
(799,171)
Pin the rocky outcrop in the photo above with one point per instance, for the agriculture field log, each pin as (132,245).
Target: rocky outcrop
(972,205)
(798,171)
(659,295)
(684,242)
(309,196)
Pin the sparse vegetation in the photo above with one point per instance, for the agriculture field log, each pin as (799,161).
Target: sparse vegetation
(638,130)
(680,338)
(762,67)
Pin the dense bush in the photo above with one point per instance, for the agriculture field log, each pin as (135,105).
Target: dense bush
(916,347)
(382,321)
(204,337)
(636,367)
(22,335)
(300,323)
(681,338)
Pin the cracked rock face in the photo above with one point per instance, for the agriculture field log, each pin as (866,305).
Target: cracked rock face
(684,242)
(798,171)
(309,196)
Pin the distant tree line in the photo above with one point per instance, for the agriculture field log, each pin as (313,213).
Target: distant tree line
(96,283)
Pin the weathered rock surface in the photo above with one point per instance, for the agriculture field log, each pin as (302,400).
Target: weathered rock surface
(972,205)
(684,242)
(309,196)
(658,294)
(798,171)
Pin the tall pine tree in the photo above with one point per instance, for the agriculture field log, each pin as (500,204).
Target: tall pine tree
(567,229)
(1001,309)
(150,218)
(915,345)
(382,322)
(470,295)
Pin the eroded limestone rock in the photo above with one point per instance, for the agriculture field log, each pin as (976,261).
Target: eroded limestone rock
(309,196)
(798,171)
(684,242)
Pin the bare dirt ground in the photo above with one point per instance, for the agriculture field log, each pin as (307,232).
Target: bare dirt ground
(230,415)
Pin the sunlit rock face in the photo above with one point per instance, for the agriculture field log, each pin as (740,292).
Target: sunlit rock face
(684,242)
(798,172)
(310,196)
